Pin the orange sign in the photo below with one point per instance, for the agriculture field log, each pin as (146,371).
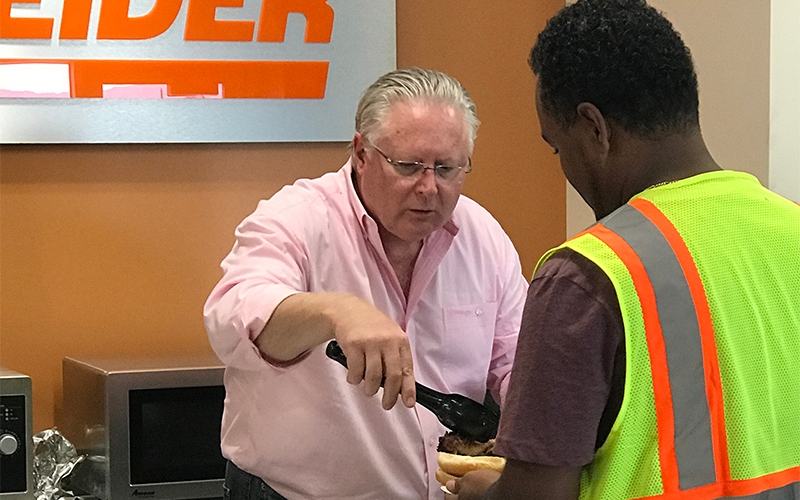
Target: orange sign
(201,24)
(188,70)
(237,79)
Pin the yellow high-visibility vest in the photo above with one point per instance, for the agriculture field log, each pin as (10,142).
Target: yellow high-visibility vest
(707,272)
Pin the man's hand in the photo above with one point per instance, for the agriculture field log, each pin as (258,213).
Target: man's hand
(519,480)
(472,485)
(377,349)
(375,345)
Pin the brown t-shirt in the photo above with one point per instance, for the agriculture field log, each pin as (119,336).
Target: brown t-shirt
(568,379)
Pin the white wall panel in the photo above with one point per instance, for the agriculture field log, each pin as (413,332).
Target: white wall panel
(784,147)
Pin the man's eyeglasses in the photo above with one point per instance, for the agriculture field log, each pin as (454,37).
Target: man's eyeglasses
(412,168)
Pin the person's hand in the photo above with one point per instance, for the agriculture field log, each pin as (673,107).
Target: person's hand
(377,349)
(472,485)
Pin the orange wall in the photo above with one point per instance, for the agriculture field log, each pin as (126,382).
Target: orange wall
(112,249)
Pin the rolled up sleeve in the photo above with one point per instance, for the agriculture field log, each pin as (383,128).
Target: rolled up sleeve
(267,264)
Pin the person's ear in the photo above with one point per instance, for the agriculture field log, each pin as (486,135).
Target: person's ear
(359,152)
(598,127)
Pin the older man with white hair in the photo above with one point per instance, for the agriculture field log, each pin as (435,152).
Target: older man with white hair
(414,280)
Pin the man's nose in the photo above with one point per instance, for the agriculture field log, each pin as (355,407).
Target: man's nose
(426,183)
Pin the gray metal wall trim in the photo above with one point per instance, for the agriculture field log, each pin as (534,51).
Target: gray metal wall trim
(681,330)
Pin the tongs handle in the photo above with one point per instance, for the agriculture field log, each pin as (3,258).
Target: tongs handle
(462,415)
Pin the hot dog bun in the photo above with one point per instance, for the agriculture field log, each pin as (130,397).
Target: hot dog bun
(458,465)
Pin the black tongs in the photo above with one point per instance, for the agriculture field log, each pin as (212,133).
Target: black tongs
(462,415)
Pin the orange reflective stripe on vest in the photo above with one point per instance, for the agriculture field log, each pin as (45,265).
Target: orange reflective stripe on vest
(692,440)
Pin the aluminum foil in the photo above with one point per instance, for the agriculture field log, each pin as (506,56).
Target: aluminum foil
(54,457)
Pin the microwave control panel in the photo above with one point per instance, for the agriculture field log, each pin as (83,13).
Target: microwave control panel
(13,444)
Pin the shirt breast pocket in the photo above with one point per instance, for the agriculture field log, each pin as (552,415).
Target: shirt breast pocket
(469,335)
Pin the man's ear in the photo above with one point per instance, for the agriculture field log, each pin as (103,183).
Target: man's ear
(597,125)
(359,152)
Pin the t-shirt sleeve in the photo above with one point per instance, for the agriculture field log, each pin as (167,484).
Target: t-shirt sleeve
(570,339)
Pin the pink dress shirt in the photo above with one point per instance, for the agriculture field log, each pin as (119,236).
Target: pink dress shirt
(302,427)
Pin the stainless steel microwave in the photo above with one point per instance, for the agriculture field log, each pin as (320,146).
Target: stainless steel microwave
(150,426)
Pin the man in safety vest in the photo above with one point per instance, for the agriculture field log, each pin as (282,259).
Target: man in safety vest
(659,354)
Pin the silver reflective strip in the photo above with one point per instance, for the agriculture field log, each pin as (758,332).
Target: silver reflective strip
(693,443)
(788,492)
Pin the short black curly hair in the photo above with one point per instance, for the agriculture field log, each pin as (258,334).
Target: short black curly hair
(624,57)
